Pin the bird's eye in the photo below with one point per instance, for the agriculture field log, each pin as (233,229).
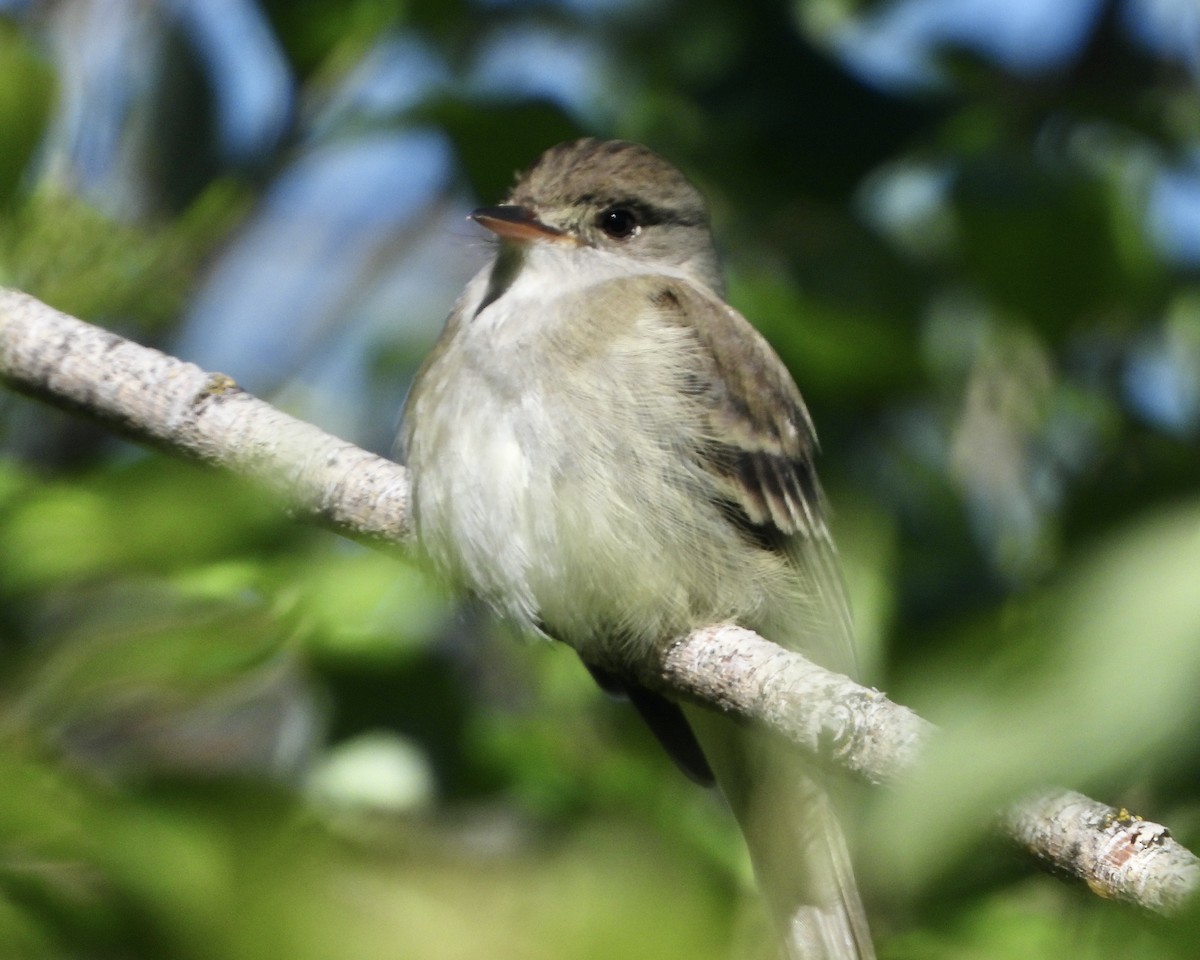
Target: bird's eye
(618,223)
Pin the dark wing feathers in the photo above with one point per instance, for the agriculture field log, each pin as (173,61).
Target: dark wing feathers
(761,441)
(759,448)
(665,720)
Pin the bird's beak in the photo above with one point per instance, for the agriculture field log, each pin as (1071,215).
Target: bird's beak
(509,221)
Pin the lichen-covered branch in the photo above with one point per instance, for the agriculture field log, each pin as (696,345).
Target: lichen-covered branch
(1118,854)
(178,407)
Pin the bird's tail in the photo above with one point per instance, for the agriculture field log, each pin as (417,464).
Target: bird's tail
(790,825)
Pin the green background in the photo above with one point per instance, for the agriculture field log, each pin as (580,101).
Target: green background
(226,735)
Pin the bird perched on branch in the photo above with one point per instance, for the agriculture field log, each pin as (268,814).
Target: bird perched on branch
(611,456)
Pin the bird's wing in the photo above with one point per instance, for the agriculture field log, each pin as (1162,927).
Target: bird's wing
(758,448)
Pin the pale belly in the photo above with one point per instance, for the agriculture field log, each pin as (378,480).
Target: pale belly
(584,532)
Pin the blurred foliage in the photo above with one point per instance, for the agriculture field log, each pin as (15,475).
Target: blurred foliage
(27,85)
(226,736)
(89,265)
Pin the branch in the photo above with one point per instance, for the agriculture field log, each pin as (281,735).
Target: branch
(828,714)
(176,406)
(1118,854)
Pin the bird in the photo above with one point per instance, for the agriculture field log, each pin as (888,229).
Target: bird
(609,455)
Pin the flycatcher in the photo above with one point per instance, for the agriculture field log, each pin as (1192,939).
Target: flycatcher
(609,455)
